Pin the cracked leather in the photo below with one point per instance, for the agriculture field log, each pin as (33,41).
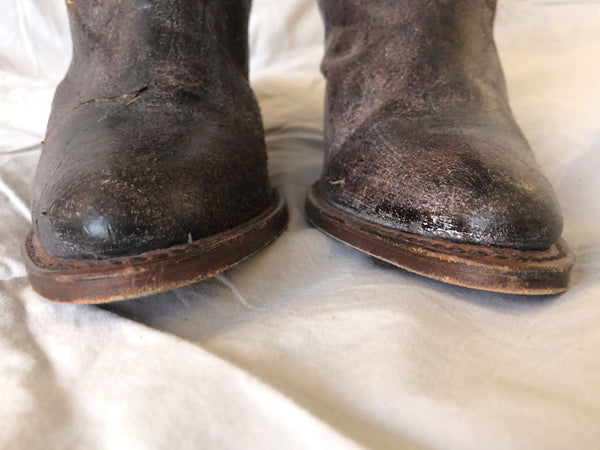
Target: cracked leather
(419,133)
(155,137)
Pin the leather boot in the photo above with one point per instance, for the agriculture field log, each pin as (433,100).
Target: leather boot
(425,166)
(153,172)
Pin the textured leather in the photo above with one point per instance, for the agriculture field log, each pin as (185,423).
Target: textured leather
(419,133)
(155,137)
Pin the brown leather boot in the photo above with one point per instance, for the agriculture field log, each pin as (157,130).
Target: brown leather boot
(425,166)
(153,172)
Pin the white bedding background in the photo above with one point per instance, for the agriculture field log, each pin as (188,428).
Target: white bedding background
(311,344)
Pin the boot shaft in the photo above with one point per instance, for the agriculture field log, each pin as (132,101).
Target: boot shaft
(134,39)
(425,58)
(417,16)
(409,33)
(173,51)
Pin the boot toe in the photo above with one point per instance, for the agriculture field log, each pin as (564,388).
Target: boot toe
(105,218)
(111,182)
(472,188)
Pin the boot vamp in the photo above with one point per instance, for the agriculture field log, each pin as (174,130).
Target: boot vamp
(458,179)
(124,176)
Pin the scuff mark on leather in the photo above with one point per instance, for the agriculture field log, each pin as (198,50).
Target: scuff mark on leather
(134,95)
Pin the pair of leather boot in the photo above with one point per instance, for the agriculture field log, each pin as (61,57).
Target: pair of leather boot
(153,172)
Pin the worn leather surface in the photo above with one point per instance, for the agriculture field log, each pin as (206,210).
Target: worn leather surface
(155,137)
(419,133)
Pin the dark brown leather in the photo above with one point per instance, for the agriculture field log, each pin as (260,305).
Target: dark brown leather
(419,133)
(155,137)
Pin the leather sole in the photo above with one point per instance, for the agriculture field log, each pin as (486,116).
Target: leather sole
(112,279)
(474,266)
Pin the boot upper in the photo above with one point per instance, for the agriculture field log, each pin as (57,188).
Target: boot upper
(155,137)
(419,133)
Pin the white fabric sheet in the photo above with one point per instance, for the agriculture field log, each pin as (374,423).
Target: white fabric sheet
(311,344)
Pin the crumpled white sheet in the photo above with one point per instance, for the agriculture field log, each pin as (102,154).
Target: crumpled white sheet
(311,344)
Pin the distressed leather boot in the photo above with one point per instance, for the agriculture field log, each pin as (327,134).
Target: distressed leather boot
(424,165)
(153,173)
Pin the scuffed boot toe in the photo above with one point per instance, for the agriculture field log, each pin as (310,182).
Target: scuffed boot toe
(105,218)
(447,186)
